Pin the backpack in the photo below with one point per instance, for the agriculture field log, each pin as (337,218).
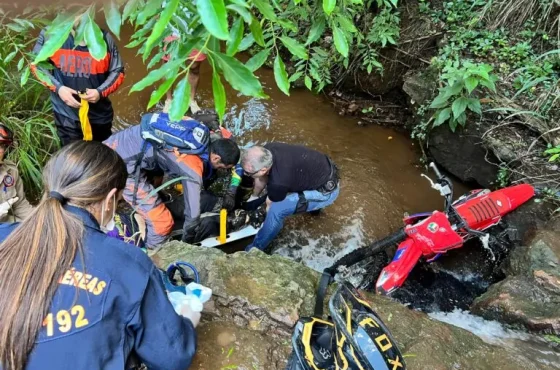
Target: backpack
(188,136)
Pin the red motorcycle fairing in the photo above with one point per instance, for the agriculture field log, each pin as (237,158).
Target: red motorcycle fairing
(482,212)
(426,238)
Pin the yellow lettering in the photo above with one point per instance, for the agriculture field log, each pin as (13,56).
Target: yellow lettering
(77,277)
(48,322)
(80,312)
(91,285)
(99,288)
(83,281)
(64,320)
(396,363)
(67,278)
(384,346)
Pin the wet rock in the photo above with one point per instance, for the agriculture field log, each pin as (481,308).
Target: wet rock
(421,85)
(530,295)
(258,298)
(462,154)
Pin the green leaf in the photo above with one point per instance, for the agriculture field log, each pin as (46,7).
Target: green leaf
(459,106)
(134,43)
(347,24)
(294,47)
(256,31)
(214,17)
(296,76)
(156,75)
(161,90)
(328,6)
(442,116)
(95,41)
(242,12)
(281,76)
(113,17)
(474,105)
(150,9)
(257,60)
(246,43)
(181,100)
(155,60)
(530,84)
(462,119)
(24,76)
(160,26)
(55,38)
(10,57)
(471,83)
(452,124)
(20,64)
(441,101)
(555,150)
(219,94)
(308,83)
(241,3)
(239,76)
(81,30)
(554,158)
(129,8)
(235,36)
(340,41)
(316,31)
(266,9)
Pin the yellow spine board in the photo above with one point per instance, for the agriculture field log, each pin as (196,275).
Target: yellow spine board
(223,223)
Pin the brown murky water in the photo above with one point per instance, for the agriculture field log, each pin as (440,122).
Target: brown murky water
(379,167)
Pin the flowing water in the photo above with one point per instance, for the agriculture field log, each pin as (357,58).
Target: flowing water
(380,181)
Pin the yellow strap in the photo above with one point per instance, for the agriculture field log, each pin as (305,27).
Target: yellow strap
(84,120)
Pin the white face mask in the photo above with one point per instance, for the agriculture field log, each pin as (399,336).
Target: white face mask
(111,224)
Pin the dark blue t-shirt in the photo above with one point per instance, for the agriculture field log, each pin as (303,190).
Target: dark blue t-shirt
(114,306)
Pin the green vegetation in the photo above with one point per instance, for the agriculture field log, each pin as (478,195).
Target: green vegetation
(316,39)
(24,105)
(553,153)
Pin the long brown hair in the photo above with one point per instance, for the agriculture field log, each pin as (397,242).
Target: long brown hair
(38,252)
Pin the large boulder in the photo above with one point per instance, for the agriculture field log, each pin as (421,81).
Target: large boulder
(258,298)
(462,154)
(530,295)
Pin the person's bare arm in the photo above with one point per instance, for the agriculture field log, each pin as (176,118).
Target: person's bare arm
(260,184)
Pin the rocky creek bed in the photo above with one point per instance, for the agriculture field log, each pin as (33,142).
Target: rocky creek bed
(257,299)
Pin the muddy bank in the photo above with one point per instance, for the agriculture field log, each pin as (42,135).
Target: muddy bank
(258,298)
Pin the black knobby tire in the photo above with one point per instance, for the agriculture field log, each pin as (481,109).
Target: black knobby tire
(362,253)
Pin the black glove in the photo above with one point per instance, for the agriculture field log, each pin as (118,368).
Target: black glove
(257,217)
(228,202)
(189,231)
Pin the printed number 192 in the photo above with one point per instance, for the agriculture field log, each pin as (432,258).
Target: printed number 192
(64,320)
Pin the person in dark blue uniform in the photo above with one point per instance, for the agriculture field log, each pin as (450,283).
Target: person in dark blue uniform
(73,297)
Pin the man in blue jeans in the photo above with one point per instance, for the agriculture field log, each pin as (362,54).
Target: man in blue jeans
(297,179)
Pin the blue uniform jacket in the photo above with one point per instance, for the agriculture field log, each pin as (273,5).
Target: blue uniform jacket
(114,306)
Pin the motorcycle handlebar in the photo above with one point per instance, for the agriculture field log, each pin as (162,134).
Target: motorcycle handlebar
(438,174)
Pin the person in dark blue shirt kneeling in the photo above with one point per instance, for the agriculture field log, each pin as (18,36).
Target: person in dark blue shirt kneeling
(73,297)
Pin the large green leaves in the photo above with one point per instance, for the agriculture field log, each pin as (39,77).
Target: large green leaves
(55,37)
(316,31)
(214,17)
(113,17)
(161,90)
(256,31)
(239,76)
(235,36)
(281,76)
(181,100)
(129,9)
(340,41)
(219,94)
(95,41)
(242,11)
(328,6)
(149,10)
(266,9)
(156,75)
(160,25)
(294,47)
(257,60)
(459,106)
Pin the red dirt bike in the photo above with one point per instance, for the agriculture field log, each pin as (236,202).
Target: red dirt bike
(429,235)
